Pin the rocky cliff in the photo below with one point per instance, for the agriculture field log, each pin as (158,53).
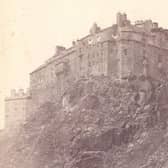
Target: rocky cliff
(100,123)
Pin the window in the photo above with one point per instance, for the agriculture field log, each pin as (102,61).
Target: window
(144,52)
(89,61)
(125,51)
(98,38)
(160,58)
(80,57)
(60,83)
(101,52)
(111,50)
(90,41)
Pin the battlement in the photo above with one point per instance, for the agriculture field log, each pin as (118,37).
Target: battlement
(148,25)
(18,94)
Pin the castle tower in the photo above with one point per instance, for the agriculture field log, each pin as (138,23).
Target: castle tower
(16,109)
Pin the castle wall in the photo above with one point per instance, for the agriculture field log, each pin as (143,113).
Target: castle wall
(138,56)
(157,62)
(142,54)
(16,111)
(125,59)
(113,60)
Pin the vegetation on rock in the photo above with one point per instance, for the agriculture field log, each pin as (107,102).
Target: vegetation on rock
(102,123)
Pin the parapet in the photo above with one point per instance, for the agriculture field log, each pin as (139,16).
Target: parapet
(18,94)
(148,25)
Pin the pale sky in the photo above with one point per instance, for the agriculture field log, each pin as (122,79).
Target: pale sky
(30,30)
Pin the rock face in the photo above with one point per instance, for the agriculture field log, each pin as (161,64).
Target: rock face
(98,123)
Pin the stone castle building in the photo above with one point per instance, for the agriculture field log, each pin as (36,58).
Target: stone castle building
(120,50)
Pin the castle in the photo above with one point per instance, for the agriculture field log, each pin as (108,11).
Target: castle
(120,50)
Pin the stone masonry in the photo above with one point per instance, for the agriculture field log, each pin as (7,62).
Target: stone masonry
(16,108)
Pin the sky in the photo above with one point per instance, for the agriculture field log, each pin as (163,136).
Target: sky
(30,30)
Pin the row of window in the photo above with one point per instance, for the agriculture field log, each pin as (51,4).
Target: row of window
(91,46)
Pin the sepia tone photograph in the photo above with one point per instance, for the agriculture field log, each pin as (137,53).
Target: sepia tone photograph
(84,84)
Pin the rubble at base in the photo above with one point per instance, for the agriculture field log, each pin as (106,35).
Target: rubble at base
(100,123)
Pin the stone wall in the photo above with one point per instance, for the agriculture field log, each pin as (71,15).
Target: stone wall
(142,53)
(16,109)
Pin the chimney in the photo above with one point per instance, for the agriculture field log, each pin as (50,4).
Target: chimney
(121,19)
(13,93)
(148,25)
(73,43)
(59,49)
(21,92)
(94,29)
(155,25)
